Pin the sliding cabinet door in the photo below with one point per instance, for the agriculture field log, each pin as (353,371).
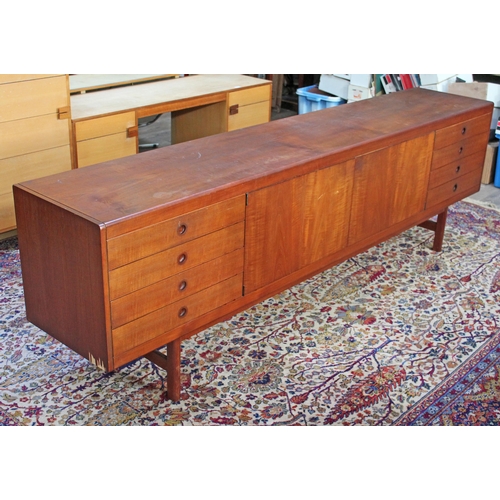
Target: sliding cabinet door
(295,223)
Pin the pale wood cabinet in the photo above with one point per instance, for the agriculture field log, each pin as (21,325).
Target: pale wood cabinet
(34,133)
(136,254)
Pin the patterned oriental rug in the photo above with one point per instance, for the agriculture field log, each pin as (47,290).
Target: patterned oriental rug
(399,335)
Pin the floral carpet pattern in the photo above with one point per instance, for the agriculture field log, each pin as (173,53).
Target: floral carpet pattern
(398,335)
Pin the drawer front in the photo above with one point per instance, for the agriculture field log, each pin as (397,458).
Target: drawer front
(22,78)
(33,165)
(459,150)
(109,147)
(250,96)
(148,327)
(464,130)
(33,98)
(7,215)
(135,245)
(247,116)
(456,169)
(144,272)
(19,137)
(453,190)
(107,125)
(178,287)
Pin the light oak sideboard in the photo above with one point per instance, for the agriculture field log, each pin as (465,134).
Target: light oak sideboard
(122,258)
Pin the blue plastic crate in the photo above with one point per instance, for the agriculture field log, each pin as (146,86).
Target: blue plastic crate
(313,99)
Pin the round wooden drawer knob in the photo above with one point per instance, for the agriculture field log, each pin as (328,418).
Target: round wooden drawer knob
(183,285)
(182,312)
(181,229)
(182,258)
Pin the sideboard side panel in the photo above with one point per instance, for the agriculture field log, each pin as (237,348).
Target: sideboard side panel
(62,266)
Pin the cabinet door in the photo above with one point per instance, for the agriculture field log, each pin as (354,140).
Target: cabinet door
(390,185)
(296,223)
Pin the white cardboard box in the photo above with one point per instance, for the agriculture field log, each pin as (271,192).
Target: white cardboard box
(335,85)
(434,79)
(357,93)
(361,80)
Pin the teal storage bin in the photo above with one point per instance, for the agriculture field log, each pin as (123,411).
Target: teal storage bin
(313,99)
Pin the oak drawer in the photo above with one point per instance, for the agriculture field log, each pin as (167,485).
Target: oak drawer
(148,327)
(460,131)
(180,286)
(30,98)
(250,96)
(144,272)
(30,166)
(456,169)
(459,150)
(106,125)
(451,191)
(7,215)
(135,245)
(247,116)
(19,137)
(105,148)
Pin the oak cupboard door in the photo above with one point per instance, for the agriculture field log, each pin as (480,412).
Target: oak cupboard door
(390,185)
(295,223)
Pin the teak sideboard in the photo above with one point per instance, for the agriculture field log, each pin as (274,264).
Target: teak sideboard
(122,258)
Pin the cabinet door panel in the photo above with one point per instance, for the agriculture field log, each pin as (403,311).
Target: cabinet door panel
(390,185)
(296,223)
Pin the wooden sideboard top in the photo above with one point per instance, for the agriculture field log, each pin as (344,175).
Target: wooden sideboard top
(174,90)
(190,175)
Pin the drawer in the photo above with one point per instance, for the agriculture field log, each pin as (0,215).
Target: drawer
(180,286)
(456,133)
(157,267)
(135,245)
(33,98)
(459,150)
(453,190)
(247,116)
(109,147)
(456,169)
(153,325)
(19,137)
(250,96)
(7,215)
(33,165)
(22,78)
(107,125)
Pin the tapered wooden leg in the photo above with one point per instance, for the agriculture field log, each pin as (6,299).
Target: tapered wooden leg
(174,370)
(440,227)
(172,364)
